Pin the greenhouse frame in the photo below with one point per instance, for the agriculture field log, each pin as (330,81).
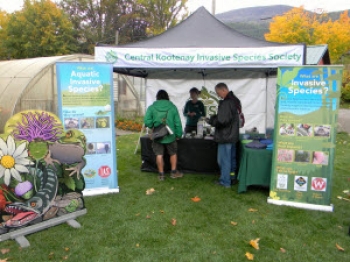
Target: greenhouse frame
(31,84)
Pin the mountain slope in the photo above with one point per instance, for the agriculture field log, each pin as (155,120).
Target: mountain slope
(253,13)
(255,21)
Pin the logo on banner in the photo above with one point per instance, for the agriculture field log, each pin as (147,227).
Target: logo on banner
(104,171)
(319,184)
(210,100)
(89,173)
(282,181)
(111,56)
(300,183)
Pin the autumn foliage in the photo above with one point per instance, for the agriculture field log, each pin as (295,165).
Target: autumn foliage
(345,92)
(128,124)
(301,26)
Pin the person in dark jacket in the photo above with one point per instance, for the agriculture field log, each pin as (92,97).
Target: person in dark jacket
(163,111)
(226,123)
(194,109)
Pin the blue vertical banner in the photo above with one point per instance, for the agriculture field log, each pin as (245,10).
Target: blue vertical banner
(85,102)
(305,136)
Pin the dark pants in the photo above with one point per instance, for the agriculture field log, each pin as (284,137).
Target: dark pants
(189,129)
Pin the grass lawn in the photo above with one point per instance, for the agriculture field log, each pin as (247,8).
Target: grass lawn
(133,226)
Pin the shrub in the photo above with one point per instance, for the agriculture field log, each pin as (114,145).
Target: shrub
(129,124)
(345,92)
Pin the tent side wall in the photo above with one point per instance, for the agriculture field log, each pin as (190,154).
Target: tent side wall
(251,87)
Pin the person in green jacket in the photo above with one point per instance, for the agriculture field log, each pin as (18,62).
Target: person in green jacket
(160,112)
(194,109)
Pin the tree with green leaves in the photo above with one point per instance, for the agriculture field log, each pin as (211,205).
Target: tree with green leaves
(39,29)
(3,27)
(101,21)
(164,14)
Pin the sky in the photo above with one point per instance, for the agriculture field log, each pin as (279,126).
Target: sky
(228,5)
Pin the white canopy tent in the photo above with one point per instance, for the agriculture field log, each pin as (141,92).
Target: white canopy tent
(202,51)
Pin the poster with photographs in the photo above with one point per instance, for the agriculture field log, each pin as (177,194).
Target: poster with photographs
(307,106)
(85,101)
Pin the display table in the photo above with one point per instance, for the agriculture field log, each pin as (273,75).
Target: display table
(254,168)
(194,155)
(200,155)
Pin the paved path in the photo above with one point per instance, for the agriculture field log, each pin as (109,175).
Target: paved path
(344,120)
(120,132)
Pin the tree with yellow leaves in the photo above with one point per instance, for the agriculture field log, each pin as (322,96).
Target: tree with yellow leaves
(336,34)
(39,29)
(301,26)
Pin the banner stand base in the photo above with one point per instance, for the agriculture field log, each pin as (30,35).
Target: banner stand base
(99,191)
(20,233)
(329,208)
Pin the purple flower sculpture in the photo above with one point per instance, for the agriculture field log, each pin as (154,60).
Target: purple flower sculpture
(38,127)
(24,190)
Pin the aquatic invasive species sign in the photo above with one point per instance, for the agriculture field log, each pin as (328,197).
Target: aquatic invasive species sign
(304,139)
(85,98)
(201,57)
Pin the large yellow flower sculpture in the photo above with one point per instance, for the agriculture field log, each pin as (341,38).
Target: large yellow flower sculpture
(13,160)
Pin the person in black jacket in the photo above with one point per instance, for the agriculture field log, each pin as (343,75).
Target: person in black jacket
(194,109)
(226,123)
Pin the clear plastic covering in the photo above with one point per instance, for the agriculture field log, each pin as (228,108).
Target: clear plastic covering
(30,84)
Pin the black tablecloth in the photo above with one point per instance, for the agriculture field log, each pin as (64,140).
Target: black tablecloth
(194,155)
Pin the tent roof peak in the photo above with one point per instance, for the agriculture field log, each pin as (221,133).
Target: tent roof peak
(201,29)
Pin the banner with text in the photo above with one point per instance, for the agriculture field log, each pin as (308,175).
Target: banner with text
(304,139)
(289,55)
(85,99)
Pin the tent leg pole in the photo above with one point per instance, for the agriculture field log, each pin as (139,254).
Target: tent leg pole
(266,99)
(138,142)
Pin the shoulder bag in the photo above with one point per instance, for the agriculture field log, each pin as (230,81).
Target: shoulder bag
(160,131)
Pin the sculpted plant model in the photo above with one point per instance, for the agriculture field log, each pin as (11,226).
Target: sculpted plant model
(12,160)
(40,167)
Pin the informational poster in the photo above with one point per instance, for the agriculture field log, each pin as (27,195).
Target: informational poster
(304,138)
(85,99)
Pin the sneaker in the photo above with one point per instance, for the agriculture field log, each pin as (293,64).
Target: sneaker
(161,176)
(176,174)
(234,180)
(219,184)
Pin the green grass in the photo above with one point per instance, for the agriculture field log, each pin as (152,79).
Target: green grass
(133,226)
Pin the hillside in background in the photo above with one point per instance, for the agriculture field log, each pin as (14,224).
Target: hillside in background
(253,13)
(254,21)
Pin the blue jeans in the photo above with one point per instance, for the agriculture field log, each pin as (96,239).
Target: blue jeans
(227,162)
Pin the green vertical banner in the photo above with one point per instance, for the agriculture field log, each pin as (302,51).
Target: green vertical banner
(304,138)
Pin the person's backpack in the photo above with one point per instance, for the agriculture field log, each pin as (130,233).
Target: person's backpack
(240,112)
(241,117)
